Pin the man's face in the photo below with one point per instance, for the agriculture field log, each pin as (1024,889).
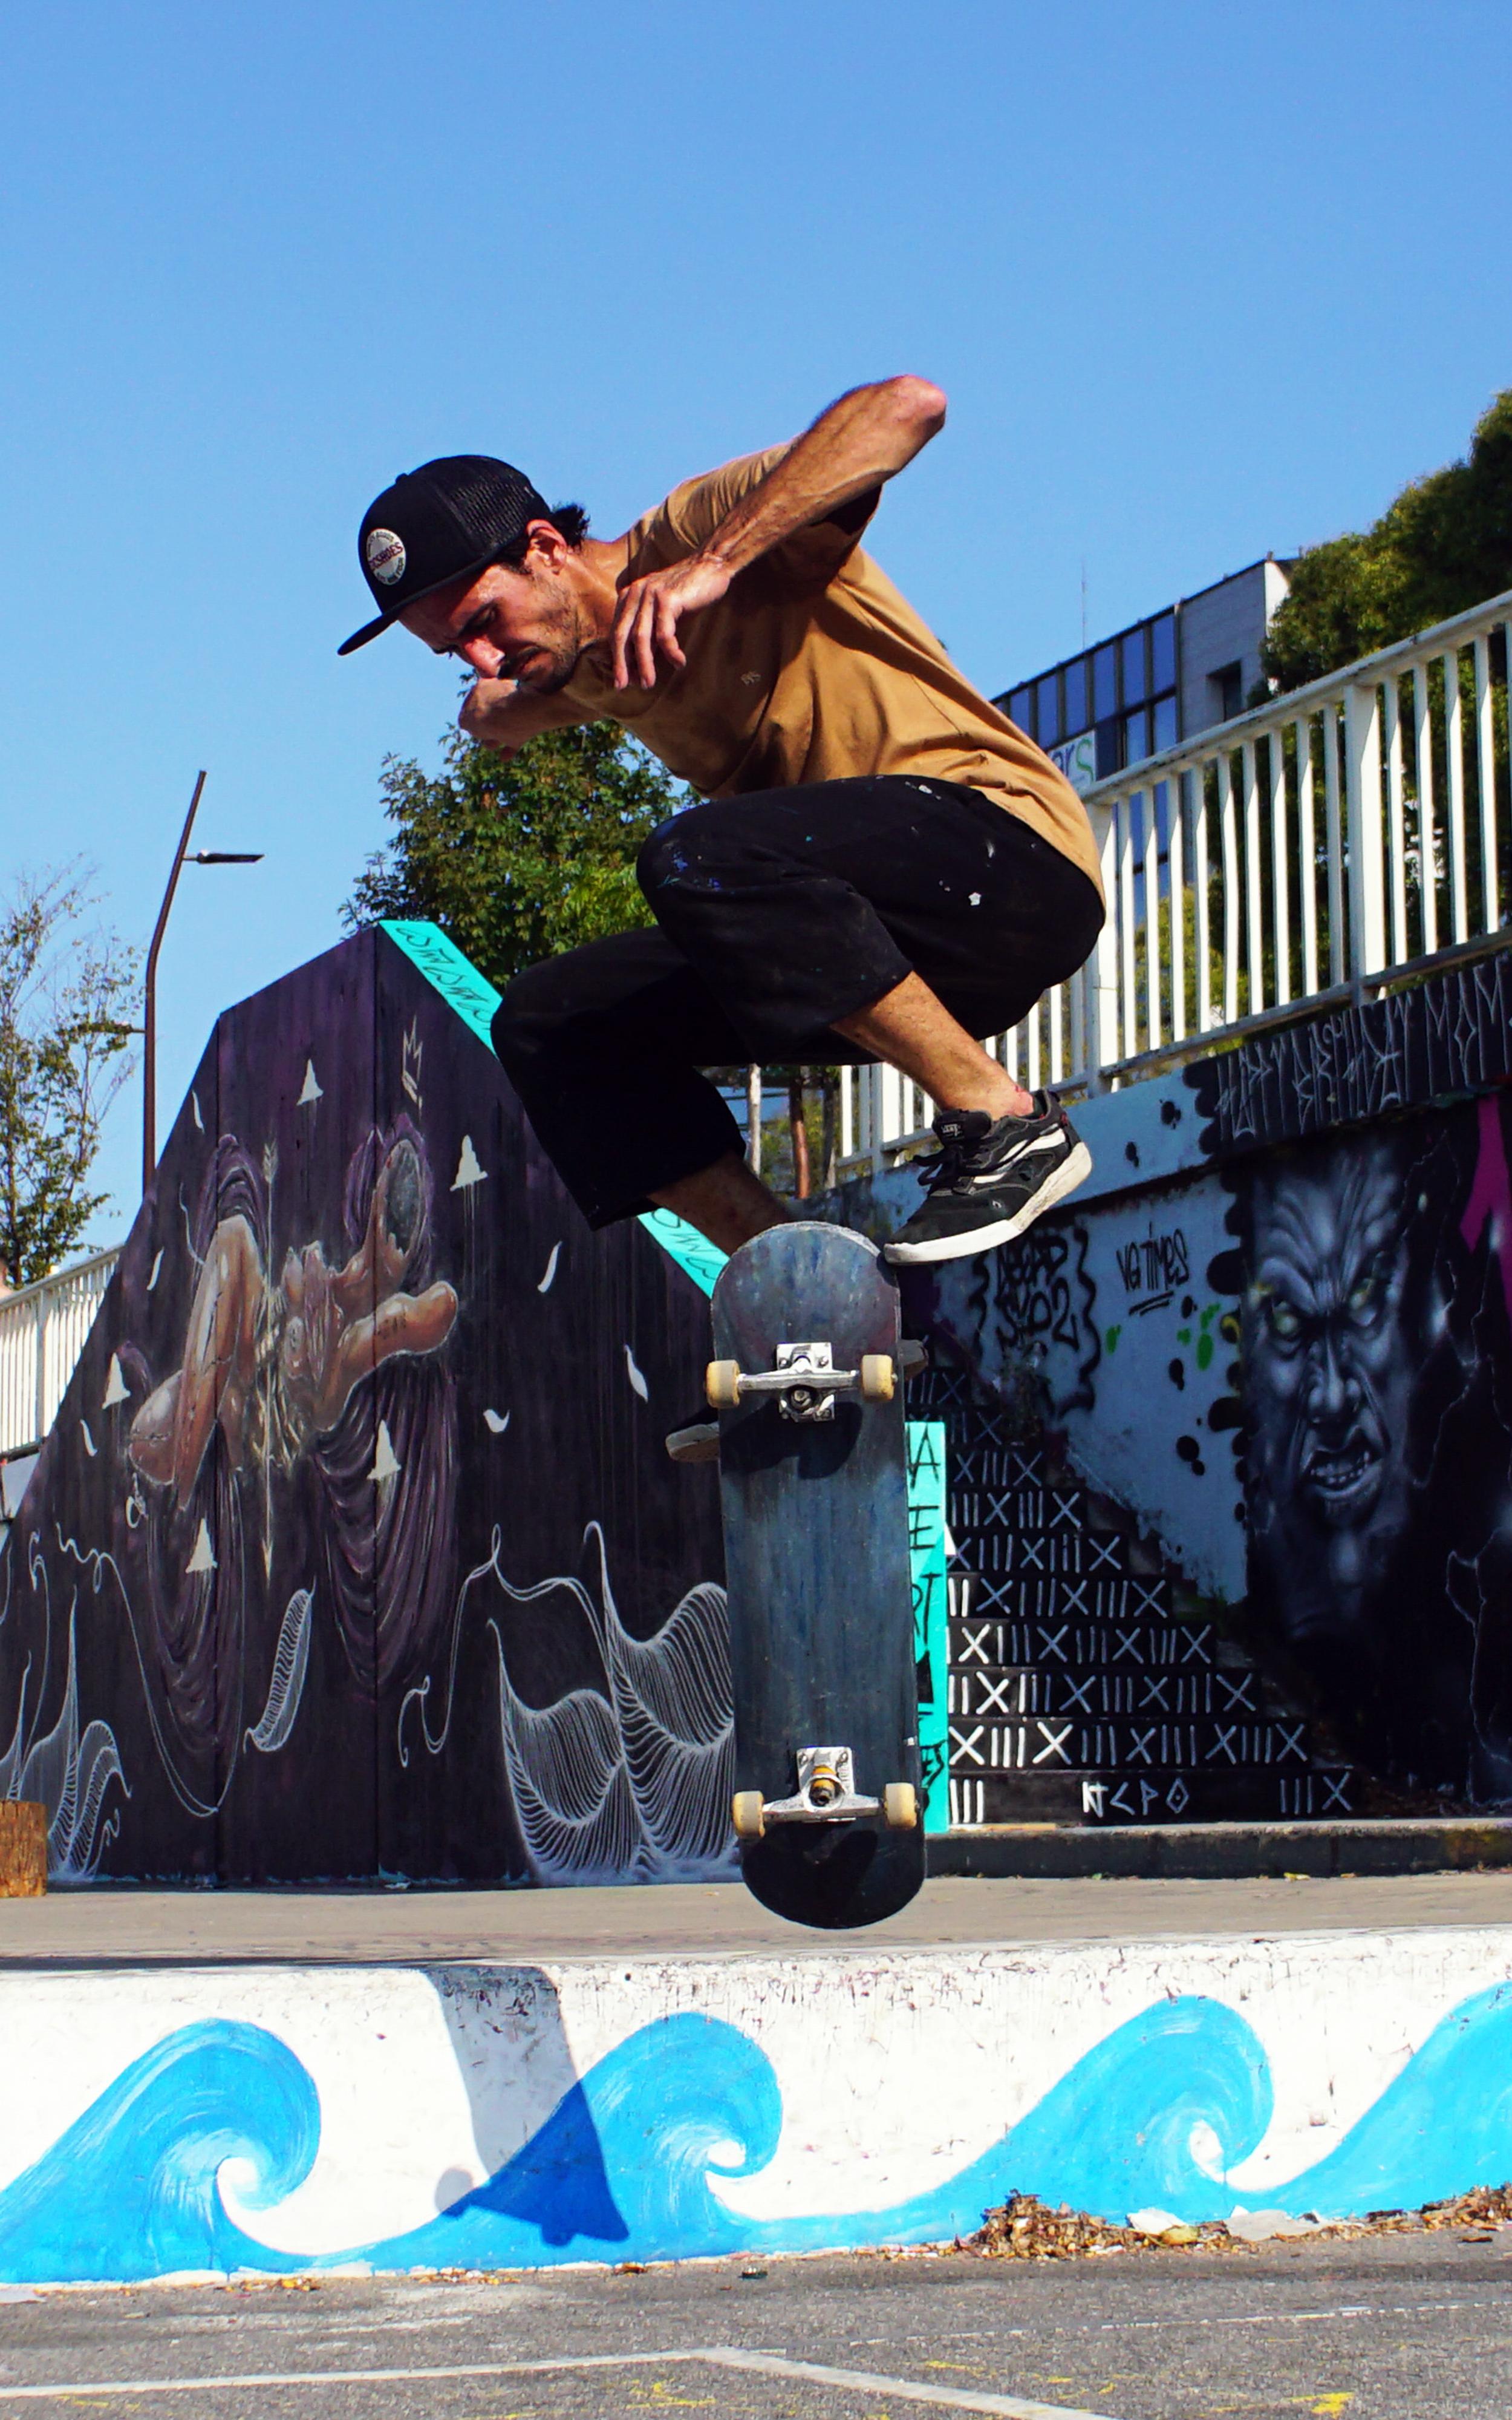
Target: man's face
(524,625)
(1330,1372)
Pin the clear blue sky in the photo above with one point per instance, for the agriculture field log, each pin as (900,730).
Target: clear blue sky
(1199,282)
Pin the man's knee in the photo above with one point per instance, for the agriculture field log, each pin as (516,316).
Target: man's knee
(687,854)
(658,860)
(525,1016)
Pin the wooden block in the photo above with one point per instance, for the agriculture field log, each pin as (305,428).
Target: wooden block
(23,1848)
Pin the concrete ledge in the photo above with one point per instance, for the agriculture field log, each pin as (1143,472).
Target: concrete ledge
(1227,1852)
(504,2116)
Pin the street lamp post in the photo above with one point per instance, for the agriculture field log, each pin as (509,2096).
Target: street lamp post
(149,1014)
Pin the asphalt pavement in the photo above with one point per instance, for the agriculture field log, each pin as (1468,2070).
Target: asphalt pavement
(1415,2327)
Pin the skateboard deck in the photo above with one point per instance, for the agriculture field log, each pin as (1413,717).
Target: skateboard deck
(812,1483)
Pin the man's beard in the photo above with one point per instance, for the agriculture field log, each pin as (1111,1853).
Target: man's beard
(552,657)
(551,669)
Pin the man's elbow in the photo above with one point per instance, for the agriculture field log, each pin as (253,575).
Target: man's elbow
(918,403)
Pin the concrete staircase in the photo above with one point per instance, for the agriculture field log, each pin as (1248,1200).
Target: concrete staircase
(1087,1681)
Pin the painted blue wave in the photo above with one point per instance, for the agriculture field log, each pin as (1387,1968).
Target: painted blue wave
(131,2190)
(629,2162)
(621,2169)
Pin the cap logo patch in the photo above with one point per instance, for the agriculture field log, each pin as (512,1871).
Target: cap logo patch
(383,551)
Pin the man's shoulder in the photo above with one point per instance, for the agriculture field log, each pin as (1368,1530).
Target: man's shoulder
(690,513)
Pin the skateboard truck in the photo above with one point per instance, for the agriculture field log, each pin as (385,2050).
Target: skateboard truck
(806,1381)
(826,1793)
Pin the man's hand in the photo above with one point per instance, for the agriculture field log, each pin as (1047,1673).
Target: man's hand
(649,610)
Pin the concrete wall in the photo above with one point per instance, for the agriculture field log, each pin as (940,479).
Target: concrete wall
(1276,1329)
(275,2120)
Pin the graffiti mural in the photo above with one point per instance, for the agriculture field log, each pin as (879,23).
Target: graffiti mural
(353,1549)
(1376,1435)
(1450,1034)
(1275,1333)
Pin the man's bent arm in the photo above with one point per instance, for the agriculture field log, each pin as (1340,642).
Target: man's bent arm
(865,438)
(869,436)
(500,715)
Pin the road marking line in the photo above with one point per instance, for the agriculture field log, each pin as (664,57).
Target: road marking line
(334,2377)
(905,2390)
(1297,2318)
(949,2399)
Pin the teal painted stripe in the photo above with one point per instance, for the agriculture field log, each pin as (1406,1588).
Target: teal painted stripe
(926,1560)
(454,976)
(692,1251)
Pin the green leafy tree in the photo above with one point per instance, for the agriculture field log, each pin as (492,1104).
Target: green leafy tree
(66,988)
(1442,545)
(518,861)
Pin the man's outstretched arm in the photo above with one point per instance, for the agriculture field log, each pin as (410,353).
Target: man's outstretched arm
(867,436)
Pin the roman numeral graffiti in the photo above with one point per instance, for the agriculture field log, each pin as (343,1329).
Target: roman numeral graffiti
(976,1640)
(1314,1794)
(1009,1746)
(965,1804)
(977,1685)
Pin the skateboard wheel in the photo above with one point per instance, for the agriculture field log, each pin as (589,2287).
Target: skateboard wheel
(746,1807)
(721,1384)
(878,1377)
(899,1806)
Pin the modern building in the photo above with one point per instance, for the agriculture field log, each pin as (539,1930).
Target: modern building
(1177,673)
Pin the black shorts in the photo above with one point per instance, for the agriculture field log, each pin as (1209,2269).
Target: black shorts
(776,914)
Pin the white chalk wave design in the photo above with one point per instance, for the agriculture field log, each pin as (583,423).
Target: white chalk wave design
(69,1770)
(630,1783)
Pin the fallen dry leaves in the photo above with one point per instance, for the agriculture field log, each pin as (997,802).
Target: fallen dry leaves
(1027,2229)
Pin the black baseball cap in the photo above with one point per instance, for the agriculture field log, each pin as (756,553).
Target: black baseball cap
(438,524)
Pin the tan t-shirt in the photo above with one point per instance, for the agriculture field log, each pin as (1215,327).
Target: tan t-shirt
(813,668)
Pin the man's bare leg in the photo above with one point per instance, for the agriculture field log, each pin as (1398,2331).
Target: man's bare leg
(916,1033)
(728,1202)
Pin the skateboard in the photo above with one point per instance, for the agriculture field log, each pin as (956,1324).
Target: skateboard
(806,1381)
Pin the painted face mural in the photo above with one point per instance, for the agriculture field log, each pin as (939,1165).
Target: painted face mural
(1378,1442)
(1329,1369)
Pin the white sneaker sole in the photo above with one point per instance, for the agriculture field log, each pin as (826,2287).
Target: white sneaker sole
(1073,1170)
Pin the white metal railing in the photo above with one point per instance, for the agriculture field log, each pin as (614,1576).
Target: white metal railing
(43,1332)
(1356,828)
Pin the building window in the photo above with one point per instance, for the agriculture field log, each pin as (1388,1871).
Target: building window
(1021,709)
(1163,654)
(1049,705)
(1104,683)
(1136,686)
(1136,735)
(1077,713)
(1226,690)
(1166,733)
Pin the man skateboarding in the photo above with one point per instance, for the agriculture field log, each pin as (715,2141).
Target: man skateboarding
(882,867)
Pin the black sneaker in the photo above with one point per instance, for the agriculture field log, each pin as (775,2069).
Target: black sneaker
(990,1179)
